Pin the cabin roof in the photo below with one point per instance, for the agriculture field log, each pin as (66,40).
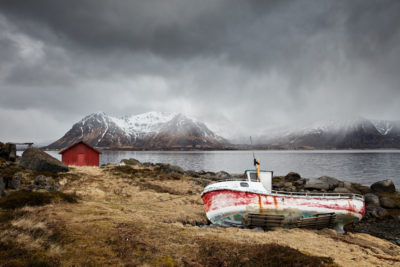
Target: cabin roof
(77,143)
(254,170)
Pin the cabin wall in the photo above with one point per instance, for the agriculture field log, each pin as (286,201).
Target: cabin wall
(81,155)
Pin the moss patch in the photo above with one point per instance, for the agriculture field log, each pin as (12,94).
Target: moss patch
(18,199)
(10,171)
(13,254)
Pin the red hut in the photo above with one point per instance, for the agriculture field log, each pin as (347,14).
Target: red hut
(80,154)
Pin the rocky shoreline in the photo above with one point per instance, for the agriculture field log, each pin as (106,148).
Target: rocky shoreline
(145,214)
(382,216)
(382,201)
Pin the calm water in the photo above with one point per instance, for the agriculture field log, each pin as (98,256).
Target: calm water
(363,166)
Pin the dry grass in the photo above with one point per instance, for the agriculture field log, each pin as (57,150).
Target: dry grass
(19,199)
(135,216)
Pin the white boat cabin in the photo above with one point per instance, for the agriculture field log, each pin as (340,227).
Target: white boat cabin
(265,178)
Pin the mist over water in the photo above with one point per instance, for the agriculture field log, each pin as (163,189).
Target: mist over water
(363,166)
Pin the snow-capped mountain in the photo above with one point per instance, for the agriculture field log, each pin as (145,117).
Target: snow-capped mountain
(355,133)
(152,130)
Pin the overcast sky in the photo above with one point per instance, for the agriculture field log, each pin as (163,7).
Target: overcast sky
(236,65)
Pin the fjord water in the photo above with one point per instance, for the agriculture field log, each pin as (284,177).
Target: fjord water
(362,166)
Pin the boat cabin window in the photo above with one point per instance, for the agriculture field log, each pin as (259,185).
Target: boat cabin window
(253,176)
(243,184)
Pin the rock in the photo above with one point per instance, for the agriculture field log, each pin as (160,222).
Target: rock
(238,175)
(288,185)
(348,185)
(276,185)
(15,182)
(257,229)
(388,203)
(378,212)
(292,176)
(341,190)
(371,200)
(384,186)
(8,151)
(324,182)
(2,186)
(223,175)
(167,168)
(209,175)
(38,160)
(147,164)
(131,162)
(299,182)
(360,189)
(46,183)
(192,174)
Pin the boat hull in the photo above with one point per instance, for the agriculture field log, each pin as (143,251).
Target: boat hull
(227,205)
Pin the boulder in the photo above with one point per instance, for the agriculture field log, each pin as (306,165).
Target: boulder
(46,183)
(388,203)
(348,186)
(192,173)
(15,182)
(148,164)
(384,186)
(8,151)
(222,175)
(324,182)
(341,190)
(371,200)
(292,176)
(38,160)
(208,175)
(131,162)
(287,185)
(2,186)
(299,182)
(277,185)
(167,168)
(378,212)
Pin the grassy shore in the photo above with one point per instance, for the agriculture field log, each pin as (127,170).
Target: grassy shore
(136,216)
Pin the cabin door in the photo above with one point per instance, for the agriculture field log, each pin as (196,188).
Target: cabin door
(81,160)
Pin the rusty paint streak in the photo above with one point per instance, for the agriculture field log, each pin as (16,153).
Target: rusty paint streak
(260,203)
(275,203)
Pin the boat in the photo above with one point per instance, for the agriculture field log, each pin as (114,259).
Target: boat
(252,202)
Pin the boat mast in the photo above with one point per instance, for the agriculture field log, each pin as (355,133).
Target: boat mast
(256,162)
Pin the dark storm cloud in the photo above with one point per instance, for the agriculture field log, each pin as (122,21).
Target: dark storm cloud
(244,64)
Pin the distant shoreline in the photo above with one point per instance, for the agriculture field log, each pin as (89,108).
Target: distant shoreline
(237,149)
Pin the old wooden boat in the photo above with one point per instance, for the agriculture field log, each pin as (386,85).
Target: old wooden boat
(252,202)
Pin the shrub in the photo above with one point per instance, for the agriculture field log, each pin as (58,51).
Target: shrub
(18,199)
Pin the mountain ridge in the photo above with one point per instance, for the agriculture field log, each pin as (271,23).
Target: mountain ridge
(151,130)
(174,131)
(353,133)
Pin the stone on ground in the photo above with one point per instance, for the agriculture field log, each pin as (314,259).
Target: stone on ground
(322,183)
(388,203)
(292,176)
(371,199)
(384,186)
(38,160)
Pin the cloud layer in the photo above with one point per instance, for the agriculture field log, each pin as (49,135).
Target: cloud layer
(239,66)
